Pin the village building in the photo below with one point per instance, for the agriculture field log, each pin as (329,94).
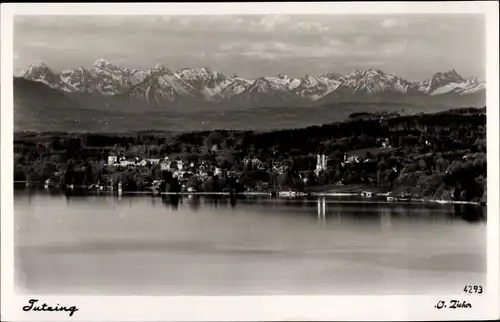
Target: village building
(180,165)
(112,159)
(321,162)
(165,165)
(153,161)
(255,162)
(125,163)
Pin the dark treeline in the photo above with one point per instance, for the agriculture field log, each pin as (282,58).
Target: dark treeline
(440,156)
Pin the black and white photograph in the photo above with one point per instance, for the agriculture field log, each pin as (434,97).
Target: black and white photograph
(249,154)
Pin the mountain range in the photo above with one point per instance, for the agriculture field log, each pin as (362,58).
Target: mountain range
(111,87)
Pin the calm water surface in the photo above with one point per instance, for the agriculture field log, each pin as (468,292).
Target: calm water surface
(145,245)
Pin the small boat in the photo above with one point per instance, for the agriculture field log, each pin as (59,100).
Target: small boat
(48,184)
(287,194)
(404,197)
(156,191)
(366,194)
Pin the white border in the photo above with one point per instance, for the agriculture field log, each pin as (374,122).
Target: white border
(269,308)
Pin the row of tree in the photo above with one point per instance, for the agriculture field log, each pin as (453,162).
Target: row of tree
(439,155)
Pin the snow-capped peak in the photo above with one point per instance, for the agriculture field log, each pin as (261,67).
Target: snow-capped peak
(313,87)
(102,63)
(310,80)
(197,73)
(280,79)
(235,87)
(36,69)
(332,75)
(38,65)
(160,84)
(448,76)
(160,68)
(40,72)
(210,83)
(76,80)
(474,80)
(266,85)
(443,82)
(283,76)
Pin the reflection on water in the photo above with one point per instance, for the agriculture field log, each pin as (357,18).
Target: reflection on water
(244,245)
(469,213)
(372,212)
(172,200)
(371,209)
(327,209)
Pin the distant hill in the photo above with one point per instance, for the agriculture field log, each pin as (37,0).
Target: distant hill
(57,112)
(161,88)
(107,98)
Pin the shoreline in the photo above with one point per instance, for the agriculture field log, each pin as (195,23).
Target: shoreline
(298,196)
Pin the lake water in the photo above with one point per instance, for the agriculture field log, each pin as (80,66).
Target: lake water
(144,245)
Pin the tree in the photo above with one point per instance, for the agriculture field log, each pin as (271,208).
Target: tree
(422,165)
(273,178)
(249,166)
(211,184)
(380,169)
(456,194)
(484,197)
(19,174)
(213,139)
(174,186)
(223,163)
(441,165)
(290,180)
(311,178)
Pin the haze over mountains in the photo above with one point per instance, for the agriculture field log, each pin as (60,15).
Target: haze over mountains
(108,88)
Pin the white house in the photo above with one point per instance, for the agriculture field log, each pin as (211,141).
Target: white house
(165,165)
(255,162)
(112,159)
(153,161)
(180,165)
(178,174)
(351,159)
(321,162)
(126,163)
(367,194)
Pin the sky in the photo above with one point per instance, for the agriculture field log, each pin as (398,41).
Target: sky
(410,46)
